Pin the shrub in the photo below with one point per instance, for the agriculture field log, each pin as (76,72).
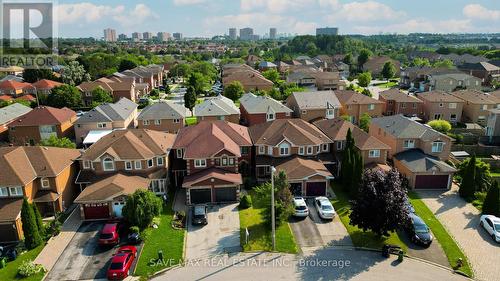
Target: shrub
(246,202)
(29,268)
(442,126)
(249,183)
(134,229)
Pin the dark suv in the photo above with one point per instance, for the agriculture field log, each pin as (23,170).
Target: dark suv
(199,215)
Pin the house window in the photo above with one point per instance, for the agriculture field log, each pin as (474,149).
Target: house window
(231,161)
(453,117)
(287,114)
(374,153)
(224,161)
(176,120)
(414,105)
(437,146)
(159,161)
(481,118)
(270,150)
(128,165)
(150,163)
(16,191)
(221,117)
(390,102)
(330,113)
(409,144)
(371,107)
(284,149)
(244,150)
(200,163)
(86,164)
(452,105)
(270,116)
(180,153)
(309,150)
(262,149)
(403,105)
(4,192)
(45,183)
(157,122)
(304,111)
(325,147)
(339,145)
(101,125)
(484,107)
(301,150)
(108,164)
(441,105)
(138,165)
(437,116)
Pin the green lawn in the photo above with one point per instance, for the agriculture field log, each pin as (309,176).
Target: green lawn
(10,271)
(387,85)
(260,233)
(191,120)
(359,237)
(165,238)
(450,247)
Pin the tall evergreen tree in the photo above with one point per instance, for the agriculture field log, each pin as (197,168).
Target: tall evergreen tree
(356,175)
(491,205)
(467,186)
(38,219)
(32,237)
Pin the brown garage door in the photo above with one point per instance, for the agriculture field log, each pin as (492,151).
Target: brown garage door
(316,189)
(431,182)
(96,211)
(8,232)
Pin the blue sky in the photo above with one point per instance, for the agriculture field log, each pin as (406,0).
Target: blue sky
(211,17)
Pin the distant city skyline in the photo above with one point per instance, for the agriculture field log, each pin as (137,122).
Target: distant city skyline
(204,18)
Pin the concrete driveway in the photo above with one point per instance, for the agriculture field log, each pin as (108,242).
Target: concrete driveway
(220,235)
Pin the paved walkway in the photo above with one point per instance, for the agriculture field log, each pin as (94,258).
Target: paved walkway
(56,245)
(462,222)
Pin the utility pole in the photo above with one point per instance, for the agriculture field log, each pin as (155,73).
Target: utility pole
(273,219)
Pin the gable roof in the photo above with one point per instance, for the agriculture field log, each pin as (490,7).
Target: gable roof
(109,112)
(12,112)
(44,115)
(296,131)
(262,104)
(10,209)
(299,168)
(398,96)
(402,127)
(476,97)
(336,129)
(215,106)
(316,100)
(14,85)
(46,84)
(131,144)
(112,187)
(212,173)
(163,110)
(22,164)
(438,96)
(217,135)
(353,97)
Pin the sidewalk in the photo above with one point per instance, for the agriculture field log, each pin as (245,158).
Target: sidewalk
(56,245)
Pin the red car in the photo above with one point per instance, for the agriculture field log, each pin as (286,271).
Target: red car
(109,234)
(121,262)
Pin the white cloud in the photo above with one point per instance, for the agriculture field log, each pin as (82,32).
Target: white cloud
(418,25)
(368,11)
(329,3)
(274,6)
(136,16)
(476,11)
(188,2)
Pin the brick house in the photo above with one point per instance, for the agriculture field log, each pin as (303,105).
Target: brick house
(397,102)
(476,105)
(355,105)
(441,105)
(312,106)
(217,108)
(376,64)
(260,109)
(7,115)
(166,116)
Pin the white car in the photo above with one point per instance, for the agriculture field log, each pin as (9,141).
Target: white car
(492,226)
(300,205)
(325,208)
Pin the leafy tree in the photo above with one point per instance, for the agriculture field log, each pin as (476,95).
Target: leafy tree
(198,81)
(420,62)
(364,122)
(348,59)
(481,175)
(190,98)
(32,238)
(282,196)
(272,75)
(364,79)
(440,125)
(38,219)
(74,74)
(234,90)
(100,96)
(58,142)
(366,92)
(363,57)
(380,204)
(64,96)
(491,204)
(141,208)
(443,63)
(389,70)
(167,89)
(180,70)
(154,93)
(126,64)
(32,75)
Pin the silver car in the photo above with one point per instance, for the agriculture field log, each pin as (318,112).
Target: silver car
(300,205)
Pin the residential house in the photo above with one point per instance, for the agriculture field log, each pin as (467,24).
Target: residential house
(355,105)
(12,70)
(416,77)
(312,106)
(259,109)
(493,126)
(252,60)
(117,87)
(132,153)
(41,123)
(44,175)
(166,116)
(209,160)
(450,82)
(476,105)
(250,78)
(7,115)
(397,102)
(266,65)
(16,89)
(342,68)
(45,86)
(486,71)
(106,117)
(376,64)
(299,149)
(328,81)
(217,108)
(441,105)
(417,150)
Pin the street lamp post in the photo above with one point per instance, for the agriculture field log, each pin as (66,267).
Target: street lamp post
(273,219)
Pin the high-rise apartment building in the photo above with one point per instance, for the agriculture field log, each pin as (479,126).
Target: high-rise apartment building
(109,35)
(327,31)
(163,36)
(272,33)
(177,35)
(246,33)
(232,34)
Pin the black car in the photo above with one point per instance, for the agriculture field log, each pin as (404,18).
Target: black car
(418,231)
(199,215)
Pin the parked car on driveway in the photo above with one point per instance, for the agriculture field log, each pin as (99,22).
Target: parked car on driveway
(418,231)
(121,262)
(492,225)
(109,235)
(199,215)
(300,205)
(325,208)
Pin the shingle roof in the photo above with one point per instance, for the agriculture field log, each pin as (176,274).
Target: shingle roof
(44,115)
(215,106)
(108,112)
(262,104)
(14,85)
(216,136)
(352,97)
(112,187)
(476,97)
(299,168)
(12,112)
(316,100)
(418,162)
(398,96)
(46,84)
(20,165)
(296,131)
(403,127)
(10,209)
(163,110)
(438,96)
(131,144)
(212,173)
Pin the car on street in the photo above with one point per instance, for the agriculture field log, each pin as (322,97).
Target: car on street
(109,235)
(199,215)
(492,225)
(121,262)
(301,209)
(418,231)
(324,207)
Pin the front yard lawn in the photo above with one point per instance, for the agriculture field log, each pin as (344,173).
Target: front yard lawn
(165,238)
(450,247)
(360,238)
(10,271)
(260,233)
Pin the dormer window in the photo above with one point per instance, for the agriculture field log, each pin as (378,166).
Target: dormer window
(150,163)
(284,149)
(270,116)
(180,153)
(437,146)
(108,164)
(128,165)
(86,164)
(45,183)
(101,125)
(330,113)
(262,149)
